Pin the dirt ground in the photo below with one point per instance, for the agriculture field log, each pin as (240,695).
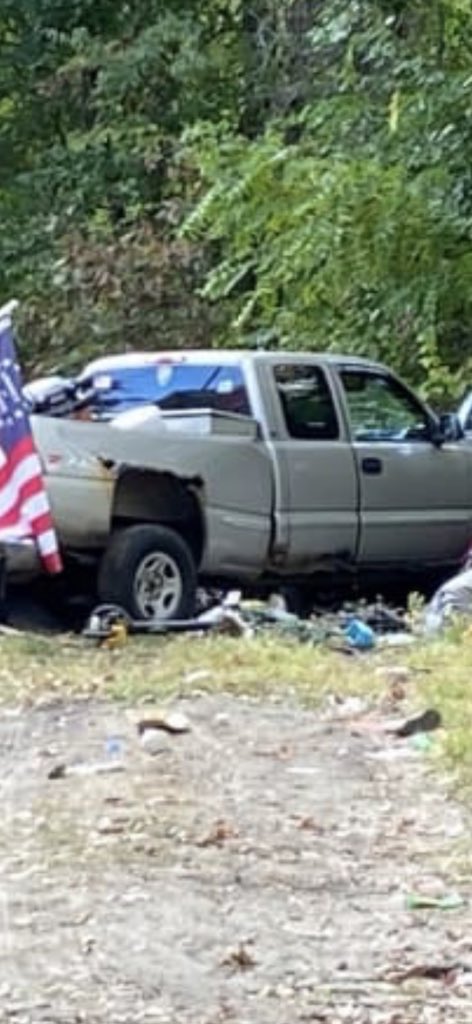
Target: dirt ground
(255,870)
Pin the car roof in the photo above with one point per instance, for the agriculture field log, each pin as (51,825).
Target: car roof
(130,360)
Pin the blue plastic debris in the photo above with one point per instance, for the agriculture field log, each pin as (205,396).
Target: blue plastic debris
(359,635)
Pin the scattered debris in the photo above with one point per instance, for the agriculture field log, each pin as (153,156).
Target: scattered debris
(345,631)
(422,741)
(396,693)
(453,901)
(226,617)
(283,753)
(114,746)
(239,959)
(222,719)
(399,753)
(155,741)
(360,635)
(108,624)
(431,972)
(60,771)
(221,832)
(308,824)
(88,945)
(155,731)
(101,624)
(454,597)
(117,636)
(414,729)
(396,640)
(428,721)
(197,675)
(340,707)
(232,623)
(169,721)
(110,827)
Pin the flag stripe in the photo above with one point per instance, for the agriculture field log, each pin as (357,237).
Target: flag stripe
(43,524)
(24,483)
(53,562)
(17,453)
(37,510)
(20,531)
(47,541)
(24,505)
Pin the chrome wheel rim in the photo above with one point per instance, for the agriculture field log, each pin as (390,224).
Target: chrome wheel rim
(158,586)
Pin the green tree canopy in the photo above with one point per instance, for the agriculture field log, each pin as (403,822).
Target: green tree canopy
(174,173)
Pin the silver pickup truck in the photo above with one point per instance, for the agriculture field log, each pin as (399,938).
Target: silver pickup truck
(257,467)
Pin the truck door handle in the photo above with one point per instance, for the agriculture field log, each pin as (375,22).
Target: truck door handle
(371,466)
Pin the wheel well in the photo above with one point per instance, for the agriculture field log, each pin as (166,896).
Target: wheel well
(143,496)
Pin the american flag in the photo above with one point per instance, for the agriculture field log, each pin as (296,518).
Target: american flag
(24,507)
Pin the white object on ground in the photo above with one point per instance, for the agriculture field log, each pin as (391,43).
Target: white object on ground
(453,596)
(155,741)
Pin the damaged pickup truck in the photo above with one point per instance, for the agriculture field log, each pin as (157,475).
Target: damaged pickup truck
(257,468)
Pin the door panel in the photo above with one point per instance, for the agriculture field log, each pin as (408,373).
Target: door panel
(418,507)
(319,493)
(322,501)
(415,498)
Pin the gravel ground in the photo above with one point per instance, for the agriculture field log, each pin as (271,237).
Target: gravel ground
(255,869)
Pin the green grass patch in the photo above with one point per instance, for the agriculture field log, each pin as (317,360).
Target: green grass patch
(35,667)
(448,687)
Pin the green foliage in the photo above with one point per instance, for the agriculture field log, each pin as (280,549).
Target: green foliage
(175,174)
(356,235)
(91,183)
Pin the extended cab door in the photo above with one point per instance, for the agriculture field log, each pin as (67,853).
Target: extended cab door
(415,497)
(316,500)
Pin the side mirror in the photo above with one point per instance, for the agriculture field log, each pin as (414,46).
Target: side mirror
(447,428)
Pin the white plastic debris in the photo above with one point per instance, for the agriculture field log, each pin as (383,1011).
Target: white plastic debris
(453,597)
(155,741)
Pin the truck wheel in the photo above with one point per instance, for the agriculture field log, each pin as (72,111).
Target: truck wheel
(150,572)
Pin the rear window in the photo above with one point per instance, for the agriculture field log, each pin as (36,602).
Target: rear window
(170,386)
(306,402)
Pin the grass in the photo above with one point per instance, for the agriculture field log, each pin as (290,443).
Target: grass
(39,667)
(36,669)
(448,687)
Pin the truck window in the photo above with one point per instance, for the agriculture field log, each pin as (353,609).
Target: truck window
(306,402)
(380,409)
(170,385)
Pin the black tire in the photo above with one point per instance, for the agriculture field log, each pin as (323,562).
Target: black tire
(129,557)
